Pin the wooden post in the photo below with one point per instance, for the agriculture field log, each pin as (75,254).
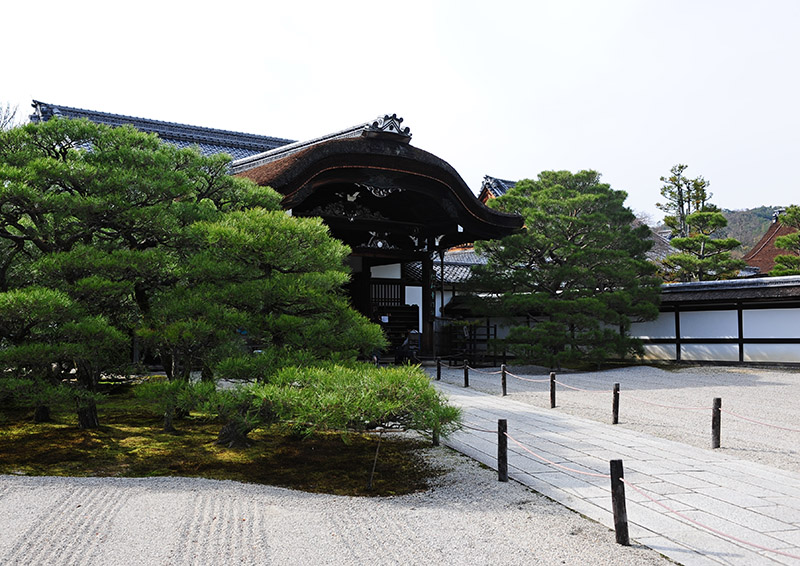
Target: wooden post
(466,373)
(435,436)
(615,405)
(552,390)
(438,369)
(618,503)
(716,423)
(502,450)
(503,379)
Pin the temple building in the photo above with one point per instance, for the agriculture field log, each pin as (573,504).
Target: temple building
(395,205)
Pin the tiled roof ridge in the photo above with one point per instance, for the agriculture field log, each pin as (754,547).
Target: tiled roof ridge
(504,181)
(253,161)
(185,132)
(783,281)
(388,124)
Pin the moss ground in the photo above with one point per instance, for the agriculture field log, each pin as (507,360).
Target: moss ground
(130,443)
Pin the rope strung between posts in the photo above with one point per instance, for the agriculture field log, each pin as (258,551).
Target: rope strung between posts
(701,525)
(478,429)
(485,372)
(543,459)
(758,422)
(584,390)
(527,379)
(667,406)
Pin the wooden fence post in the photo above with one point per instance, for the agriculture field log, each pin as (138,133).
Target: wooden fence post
(716,423)
(552,390)
(502,450)
(438,369)
(503,379)
(618,503)
(615,405)
(466,373)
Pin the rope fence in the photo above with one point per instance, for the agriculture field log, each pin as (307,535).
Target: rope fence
(716,407)
(618,482)
(731,413)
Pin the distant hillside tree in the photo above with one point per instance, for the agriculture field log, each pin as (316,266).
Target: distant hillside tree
(788,264)
(578,272)
(683,197)
(747,225)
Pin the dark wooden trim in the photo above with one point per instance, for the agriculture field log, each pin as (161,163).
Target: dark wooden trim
(741,331)
(721,341)
(677,340)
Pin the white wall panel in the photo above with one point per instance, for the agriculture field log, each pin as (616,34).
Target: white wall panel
(414,297)
(392,271)
(662,327)
(771,323)
(710,352)
(709,324)
(778,353)
(659,352)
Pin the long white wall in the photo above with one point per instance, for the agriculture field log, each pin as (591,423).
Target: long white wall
(722,327)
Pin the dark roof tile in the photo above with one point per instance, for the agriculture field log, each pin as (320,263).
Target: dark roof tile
(210,141)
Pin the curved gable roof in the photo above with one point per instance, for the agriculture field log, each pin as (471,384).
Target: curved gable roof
(377,158)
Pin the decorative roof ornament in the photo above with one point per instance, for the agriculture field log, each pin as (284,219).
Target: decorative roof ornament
(388,125)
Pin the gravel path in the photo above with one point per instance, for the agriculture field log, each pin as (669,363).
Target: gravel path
(467,518)
(686,395)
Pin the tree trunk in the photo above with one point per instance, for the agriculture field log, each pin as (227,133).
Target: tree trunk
(232,437)
(168,416)
(41,414)
(87,416)
(166,362)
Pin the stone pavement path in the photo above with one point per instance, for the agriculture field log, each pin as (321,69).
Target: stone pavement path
(755,503)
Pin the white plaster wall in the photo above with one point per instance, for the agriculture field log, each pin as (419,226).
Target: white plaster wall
(710,352)
(447,296)
(662,327)
(414,297)
(771,323)
(659,352)
(779,353)
(392,271)
(709,324)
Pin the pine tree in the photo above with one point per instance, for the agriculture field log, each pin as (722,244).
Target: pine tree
(578,270)
(702,257)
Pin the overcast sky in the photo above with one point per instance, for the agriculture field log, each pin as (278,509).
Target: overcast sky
(508,89)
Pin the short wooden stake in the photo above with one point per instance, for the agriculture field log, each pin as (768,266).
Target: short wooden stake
(615,405)
(503,379)
(502,450)
(716,423)
(438,369)
(466,373)
(435,436)
(618,503)
(552,390)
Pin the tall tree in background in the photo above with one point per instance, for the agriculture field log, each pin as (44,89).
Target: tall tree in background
(788,264)
(694,222)
(683,197)
(701,257)
(8,116)
(578,271)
